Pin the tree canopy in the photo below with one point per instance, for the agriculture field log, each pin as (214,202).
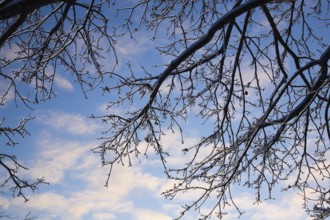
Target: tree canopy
(254,74)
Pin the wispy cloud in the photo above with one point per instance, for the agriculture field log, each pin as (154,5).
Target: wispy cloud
(68,122)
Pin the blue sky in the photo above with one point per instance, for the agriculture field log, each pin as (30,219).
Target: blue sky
(59,148)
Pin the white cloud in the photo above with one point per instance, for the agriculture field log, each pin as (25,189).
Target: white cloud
(63,83)
(68,122)
(56,157)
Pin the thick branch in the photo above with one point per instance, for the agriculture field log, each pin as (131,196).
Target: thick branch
(313,91)
(14,8)
(12,28)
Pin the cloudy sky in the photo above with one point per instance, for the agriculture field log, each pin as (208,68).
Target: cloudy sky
(59,149)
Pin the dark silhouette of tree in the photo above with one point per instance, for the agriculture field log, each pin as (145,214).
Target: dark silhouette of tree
(254,73)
